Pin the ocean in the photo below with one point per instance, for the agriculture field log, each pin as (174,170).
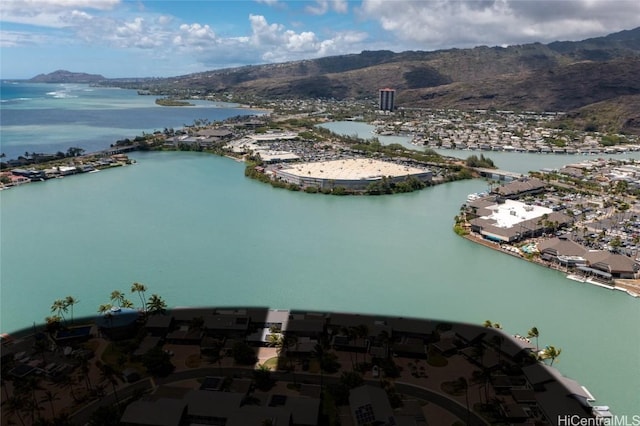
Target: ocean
(197,232)
(47,118)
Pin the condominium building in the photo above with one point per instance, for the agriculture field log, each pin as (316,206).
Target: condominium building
(387,99)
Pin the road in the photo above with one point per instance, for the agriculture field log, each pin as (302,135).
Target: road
(82,416)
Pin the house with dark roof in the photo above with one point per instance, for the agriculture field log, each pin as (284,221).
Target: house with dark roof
(207,407)
(161,412)
(226,325)
(185,336)
(159,324)
(561,247)
(370,405)
(617,265)
(304,325)
(519,188)
(304,411)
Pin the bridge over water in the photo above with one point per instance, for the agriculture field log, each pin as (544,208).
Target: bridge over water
(497,174)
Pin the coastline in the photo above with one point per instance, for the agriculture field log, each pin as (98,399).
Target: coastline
(628,286)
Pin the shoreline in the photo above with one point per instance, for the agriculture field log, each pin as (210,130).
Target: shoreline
(628,286)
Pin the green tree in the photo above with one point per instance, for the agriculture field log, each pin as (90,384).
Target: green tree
(157,362)
(74,152)
(156,304)
(108,373)
(243,354)
(49,397)
(262,378)
(276,340)
(140,289)
(59,307)
(534,333)
(15,405)
(70,301)
(117,297)
(462,382)
(552,353)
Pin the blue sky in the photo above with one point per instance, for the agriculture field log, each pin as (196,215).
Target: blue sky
(118,38)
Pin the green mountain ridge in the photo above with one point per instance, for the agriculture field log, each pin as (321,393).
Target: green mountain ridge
(559,76)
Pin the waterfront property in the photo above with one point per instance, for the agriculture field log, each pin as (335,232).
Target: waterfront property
(510,220)
(345,369)
(354,174)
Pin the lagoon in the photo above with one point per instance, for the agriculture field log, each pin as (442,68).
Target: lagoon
(197,232)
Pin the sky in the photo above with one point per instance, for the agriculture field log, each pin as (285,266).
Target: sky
(120,38)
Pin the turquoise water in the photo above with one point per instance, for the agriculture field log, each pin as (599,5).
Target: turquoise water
(196,231)
(47,118)
(512,161)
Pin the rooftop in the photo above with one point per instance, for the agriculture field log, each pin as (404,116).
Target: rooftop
(511,212)
(352,169)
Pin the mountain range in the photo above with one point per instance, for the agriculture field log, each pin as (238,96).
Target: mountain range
(596,81)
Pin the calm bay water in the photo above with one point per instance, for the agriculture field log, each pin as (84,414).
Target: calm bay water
(512,161)
(196,231)
(46,118)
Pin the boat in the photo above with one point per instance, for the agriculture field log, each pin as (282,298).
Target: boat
(476,196)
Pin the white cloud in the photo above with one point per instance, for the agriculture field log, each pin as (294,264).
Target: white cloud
(279,44)
(323,6)
(264,33)
(465,23)
(402,25)
(21,38)
(49,13)
(195,36)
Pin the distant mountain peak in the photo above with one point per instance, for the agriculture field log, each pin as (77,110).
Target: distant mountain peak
(64,76)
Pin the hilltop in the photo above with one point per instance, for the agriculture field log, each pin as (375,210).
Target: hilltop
(594,80)
(64,76)
(559,76)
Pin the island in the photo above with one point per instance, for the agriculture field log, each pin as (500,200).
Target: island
(172,102)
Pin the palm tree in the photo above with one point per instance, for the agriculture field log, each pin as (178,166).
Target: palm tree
(84,369)
(126,303)
(15,405)
(534,333)
(69,301)
(276,340)
(465,386)
(361,332)
(156,304)
(49,397)
(52,324)
(108,373)
(117,297)
(290,341)
(498,340)
(551,352)
(140,289)
(103,309)
(319,354)
(59,306)
(67,382)
(351,334)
